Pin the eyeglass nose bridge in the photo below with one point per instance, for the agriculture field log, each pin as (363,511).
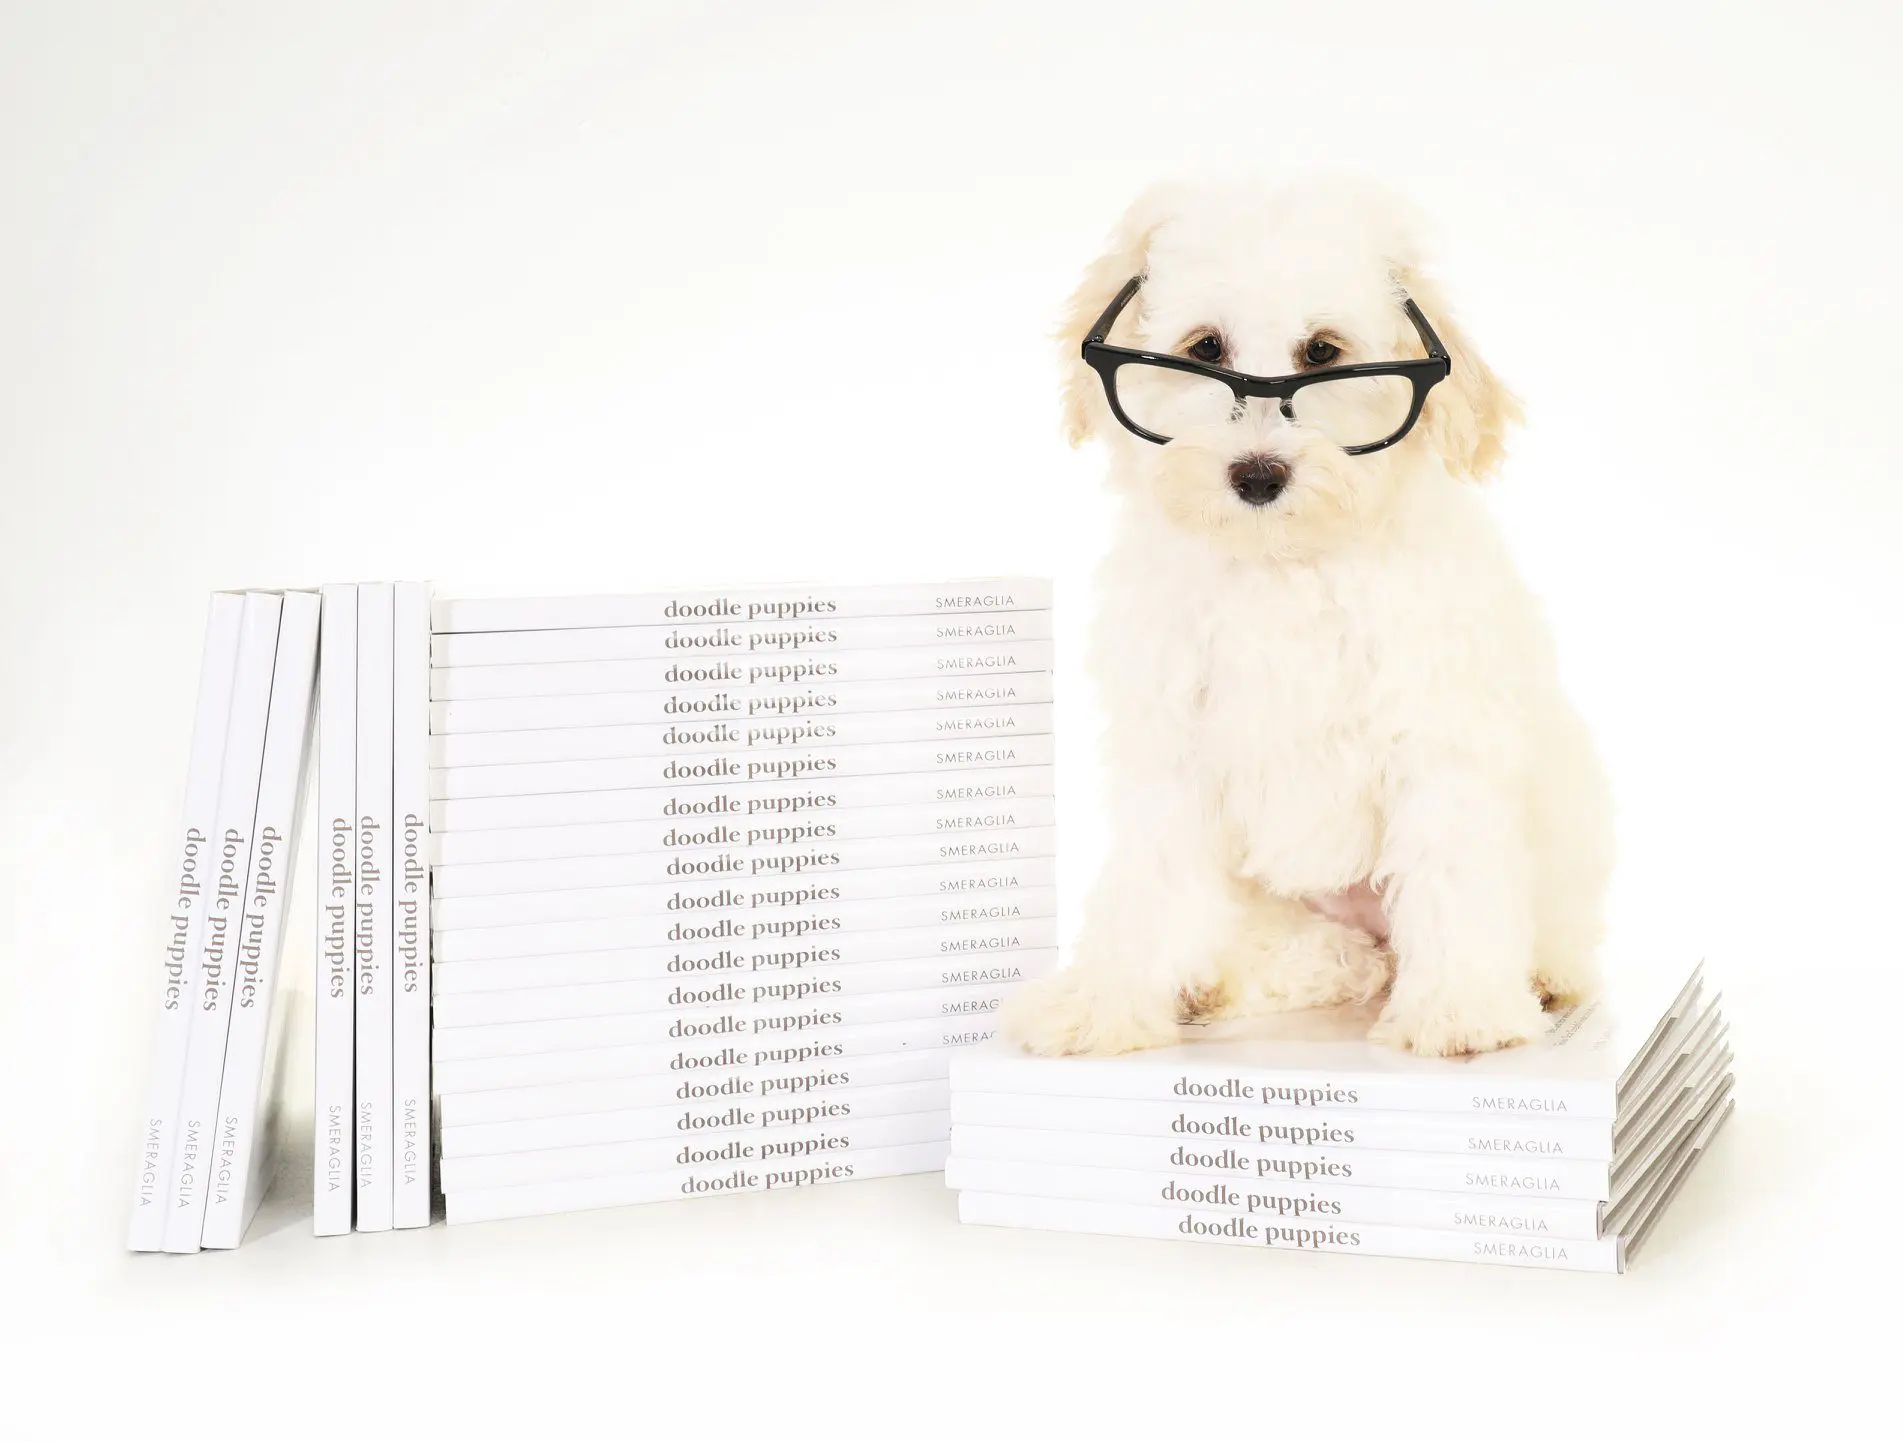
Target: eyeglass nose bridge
(1279,391)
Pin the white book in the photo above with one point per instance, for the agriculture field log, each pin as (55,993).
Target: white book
(737,837)
(749,737)
(1395,1170)
(788,1085)
(1323,1058)
(749,1023)
(715,1057)
(556,1197)
(665,995)
(600,677)
(735,638)
(561,712)
(244,1146)
(647,1123)
(410,883)
(334,1100)
(758,801)
(633,932)
(767,895)
(1282,1202)
(749,606)
(958,948)
(192,868)
(210,1001)
(791,1146)
(1476,1136)
(375,919)
(722,769)
(1038,1213)
(815,858)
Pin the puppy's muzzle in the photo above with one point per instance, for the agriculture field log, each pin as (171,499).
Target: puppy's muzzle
(1258,479)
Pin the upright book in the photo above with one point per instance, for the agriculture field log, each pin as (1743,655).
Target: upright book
(244,1146)
(189,870)
(224,910)
(410,882)
(375,935)
(334,1158)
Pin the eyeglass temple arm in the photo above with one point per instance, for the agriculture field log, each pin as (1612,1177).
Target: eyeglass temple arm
(1435,350)
(1101,330)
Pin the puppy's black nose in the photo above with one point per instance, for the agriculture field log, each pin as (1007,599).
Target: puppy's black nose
(1258,479)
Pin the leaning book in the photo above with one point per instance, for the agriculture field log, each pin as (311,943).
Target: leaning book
(244,1142)
(189,868)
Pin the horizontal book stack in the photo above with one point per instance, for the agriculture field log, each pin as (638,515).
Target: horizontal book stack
(1294,1133)
(721,881)
(207,1136)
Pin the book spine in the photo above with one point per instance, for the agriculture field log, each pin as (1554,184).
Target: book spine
(635,932)
(1397,1170)
(1283,1203)
(958,948)
(239,1171)
(653,1123)
(334,1102)
(754,605)
(375,935)
(192,867)
(599,677)
(763,1085)
(790,1146)
(760,897)
(562,712)
(410,881)
(665,867)
(671,772)
(1478,1137)
(733,639)
(755,802)
(553,1198)
(769,735)
(749,1023)
(224,910)
(1037,1213)
(706,1058)
(1414,1090)
(666,995)
(732,841)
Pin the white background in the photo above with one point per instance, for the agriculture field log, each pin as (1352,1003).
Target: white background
(580,296)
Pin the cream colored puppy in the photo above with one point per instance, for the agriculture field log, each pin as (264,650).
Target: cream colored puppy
(1340,759)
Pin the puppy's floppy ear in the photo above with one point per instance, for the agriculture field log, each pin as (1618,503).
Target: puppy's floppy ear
(1084,406)
(1468,414)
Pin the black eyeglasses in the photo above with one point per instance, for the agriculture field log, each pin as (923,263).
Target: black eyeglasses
(1360,408)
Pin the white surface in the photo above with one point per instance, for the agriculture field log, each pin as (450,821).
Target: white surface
(580,296)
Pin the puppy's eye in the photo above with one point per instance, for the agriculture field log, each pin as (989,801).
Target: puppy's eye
(1208,350)
(1320,350)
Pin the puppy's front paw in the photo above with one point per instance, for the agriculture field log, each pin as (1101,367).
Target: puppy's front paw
(1442,1025)
(1074,1013)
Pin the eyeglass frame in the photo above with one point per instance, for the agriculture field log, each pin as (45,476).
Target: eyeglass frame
(1423,375)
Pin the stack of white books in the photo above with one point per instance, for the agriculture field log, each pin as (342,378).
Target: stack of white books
(207,1135)
(722,880)
(1295,1133)
(371,1137)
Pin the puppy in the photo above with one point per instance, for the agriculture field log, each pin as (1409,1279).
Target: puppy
(1340,760)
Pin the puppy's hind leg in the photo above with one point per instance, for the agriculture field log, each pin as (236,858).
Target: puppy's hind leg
(1283,956)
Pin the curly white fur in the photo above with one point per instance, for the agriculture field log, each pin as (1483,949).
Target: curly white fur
(1341,698)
